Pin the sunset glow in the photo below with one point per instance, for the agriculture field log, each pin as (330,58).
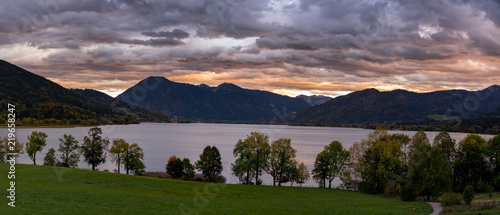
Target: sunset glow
(287,47)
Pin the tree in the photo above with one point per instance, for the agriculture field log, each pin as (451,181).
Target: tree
(6,148)
(448,145)
(302,175)
(117,150)
(353,175)
(210,163)
(50,158)
(330,163)
(188,169)
(419,139)
(494,159)
(429,174)
(37,140)
(69,149)
(282,163)
(470,164)
(321,169)
(383,162)
(133,159)
(252,156)
(94,147)
(175,167)
(468,194)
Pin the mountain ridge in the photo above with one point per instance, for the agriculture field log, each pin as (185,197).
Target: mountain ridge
(41,101)
(227,101)
(373,106)
(119,106)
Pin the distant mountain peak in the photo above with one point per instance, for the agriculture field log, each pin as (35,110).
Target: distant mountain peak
(204,86)
(155,78)
(224,102)
(225,84)
(229,86)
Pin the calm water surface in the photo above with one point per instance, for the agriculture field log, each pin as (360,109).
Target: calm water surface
(162,140)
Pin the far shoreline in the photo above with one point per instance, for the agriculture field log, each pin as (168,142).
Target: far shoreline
(368,127)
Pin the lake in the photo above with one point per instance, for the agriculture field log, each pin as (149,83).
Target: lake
(162,140)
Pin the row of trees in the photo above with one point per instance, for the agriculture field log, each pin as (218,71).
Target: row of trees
(94,150)
(395,164)
(255,156)
(210,165)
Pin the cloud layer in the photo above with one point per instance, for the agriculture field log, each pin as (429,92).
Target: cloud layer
(290,47)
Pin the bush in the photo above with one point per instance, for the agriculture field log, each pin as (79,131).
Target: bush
(496,182)
(482,187)
(408,194)
(468,194)
(220,179)
(449,199)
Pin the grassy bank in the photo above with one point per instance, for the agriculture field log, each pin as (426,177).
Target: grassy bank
(51,190)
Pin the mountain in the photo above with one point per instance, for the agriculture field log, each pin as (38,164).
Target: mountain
(41,101)
(224,102)
(119,106)
(494,113)
(373,106)
(314,99)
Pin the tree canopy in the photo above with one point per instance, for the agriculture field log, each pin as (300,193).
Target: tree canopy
(330,163)
(175,167)
(282,163)
(94,147)
(210,163)
(252,157)
(69,149)
(37,140)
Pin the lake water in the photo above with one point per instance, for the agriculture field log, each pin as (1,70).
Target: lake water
(162,140)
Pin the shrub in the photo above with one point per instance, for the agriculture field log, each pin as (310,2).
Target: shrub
(482,187)
(468,194)
(408,194)
(449,199)
(175,167)
(220,179)
(496,182)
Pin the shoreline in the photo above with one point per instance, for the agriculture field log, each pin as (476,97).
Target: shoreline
(369,127)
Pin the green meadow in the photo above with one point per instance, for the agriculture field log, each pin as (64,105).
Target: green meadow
(55,190)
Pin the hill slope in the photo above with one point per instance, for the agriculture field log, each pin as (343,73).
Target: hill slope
(38,98)
(119,106)
(373,106)
(224,102)
(55,190)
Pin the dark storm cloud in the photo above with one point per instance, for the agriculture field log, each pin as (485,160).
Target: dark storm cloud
(356,41)
(61,45)
(176,33)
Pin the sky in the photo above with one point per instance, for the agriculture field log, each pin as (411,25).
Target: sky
(291,47)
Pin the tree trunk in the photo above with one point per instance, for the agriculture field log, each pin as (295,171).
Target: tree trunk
(256,175)
(274,181)
(93,167)
(329,183)
(279,179)
(34,158)
(118,162)
(248,177)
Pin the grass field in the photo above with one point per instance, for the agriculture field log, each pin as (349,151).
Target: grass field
(52,190)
